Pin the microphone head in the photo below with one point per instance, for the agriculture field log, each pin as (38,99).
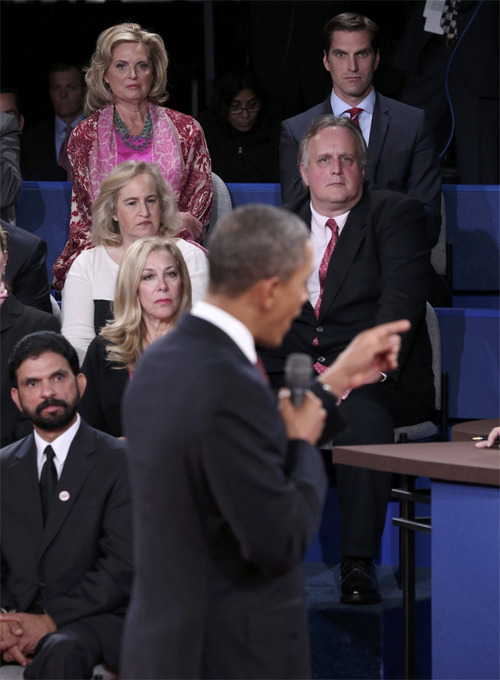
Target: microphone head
(298,371)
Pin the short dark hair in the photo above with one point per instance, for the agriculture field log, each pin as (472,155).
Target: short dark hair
(6,89)
(252,243)
(350,21)
(36,344)
(59,66)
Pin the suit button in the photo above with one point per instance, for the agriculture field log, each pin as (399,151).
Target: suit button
(41,585)
(319,329)
(321,360)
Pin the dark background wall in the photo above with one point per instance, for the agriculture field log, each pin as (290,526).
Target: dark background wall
(280,39)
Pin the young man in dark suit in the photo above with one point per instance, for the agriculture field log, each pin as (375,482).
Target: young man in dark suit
(66,529)
(371,264)
(401,150)
(43,146)
(228,492)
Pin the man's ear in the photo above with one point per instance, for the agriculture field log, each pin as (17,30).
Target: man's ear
(81,381)
(304,174)
(325,61)
(266,290)
(15,398)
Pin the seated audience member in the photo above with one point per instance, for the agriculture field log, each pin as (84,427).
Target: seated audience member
(9,103)
(65,522)
(152,290)
(10,173)
(128,123)
(401,148)
(134,202)
(371,265)
(44,154)
(241,136)
(16,321)
(25,270)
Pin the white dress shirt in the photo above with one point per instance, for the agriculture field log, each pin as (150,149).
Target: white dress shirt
(60,446)
(320,238)
(340,108)
(60,131)
(230,325)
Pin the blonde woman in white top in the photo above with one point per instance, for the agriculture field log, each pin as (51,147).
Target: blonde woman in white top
(134,202)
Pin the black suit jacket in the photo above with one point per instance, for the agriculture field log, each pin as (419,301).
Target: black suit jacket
(379,271)
(26,271)
(79,564)
(101,402)
(38,154)
(16,321)
(401,155)
(224,510)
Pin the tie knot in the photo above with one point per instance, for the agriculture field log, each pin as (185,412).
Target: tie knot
(49,452)
(354,113)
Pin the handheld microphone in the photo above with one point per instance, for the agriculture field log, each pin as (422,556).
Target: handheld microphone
(298,375)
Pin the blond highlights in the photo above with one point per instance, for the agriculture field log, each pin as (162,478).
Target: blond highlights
(98,92)
(125,334)
(105,230)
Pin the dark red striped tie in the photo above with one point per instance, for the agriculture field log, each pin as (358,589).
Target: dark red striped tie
(323,269)
(354,113)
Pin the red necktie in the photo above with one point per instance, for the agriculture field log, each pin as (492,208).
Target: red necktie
(323,269)
(62,158)
(354,113)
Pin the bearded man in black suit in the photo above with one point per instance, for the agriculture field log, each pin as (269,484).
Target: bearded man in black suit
(65,523)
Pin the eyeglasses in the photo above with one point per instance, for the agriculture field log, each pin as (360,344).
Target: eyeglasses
(236,108)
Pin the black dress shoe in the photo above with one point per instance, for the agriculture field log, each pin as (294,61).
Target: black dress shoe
(359,581)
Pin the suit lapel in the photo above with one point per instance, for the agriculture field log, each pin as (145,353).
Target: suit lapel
(351,238)
(378,131)
(25,479)
(78,465)
(10,312)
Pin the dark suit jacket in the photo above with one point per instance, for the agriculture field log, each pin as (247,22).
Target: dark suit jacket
(102,399)
(25,270)
(80,564)
(10,171)
(38,154)
(402,155)
(378,272)
(16,321)
(224,510)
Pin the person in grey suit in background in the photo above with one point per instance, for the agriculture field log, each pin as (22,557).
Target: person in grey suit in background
(65,523)
(227,494)
(10,173)
(402,154)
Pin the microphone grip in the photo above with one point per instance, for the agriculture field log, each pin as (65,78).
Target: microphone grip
(297,395)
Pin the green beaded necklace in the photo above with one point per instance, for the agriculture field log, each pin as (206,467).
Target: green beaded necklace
(134,142)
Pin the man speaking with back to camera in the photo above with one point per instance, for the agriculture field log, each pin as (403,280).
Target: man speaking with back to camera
(226,493)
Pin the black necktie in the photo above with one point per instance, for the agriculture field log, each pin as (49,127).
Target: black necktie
(48,481)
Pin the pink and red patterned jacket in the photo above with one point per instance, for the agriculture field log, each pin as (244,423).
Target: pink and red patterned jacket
(178,149)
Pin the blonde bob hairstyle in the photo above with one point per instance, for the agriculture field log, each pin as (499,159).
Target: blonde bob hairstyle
(98,92)
(105,230)
(125,335)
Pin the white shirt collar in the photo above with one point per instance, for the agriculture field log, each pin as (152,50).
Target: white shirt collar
(230,325)
(61,125)
(60,446)
(339,106)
